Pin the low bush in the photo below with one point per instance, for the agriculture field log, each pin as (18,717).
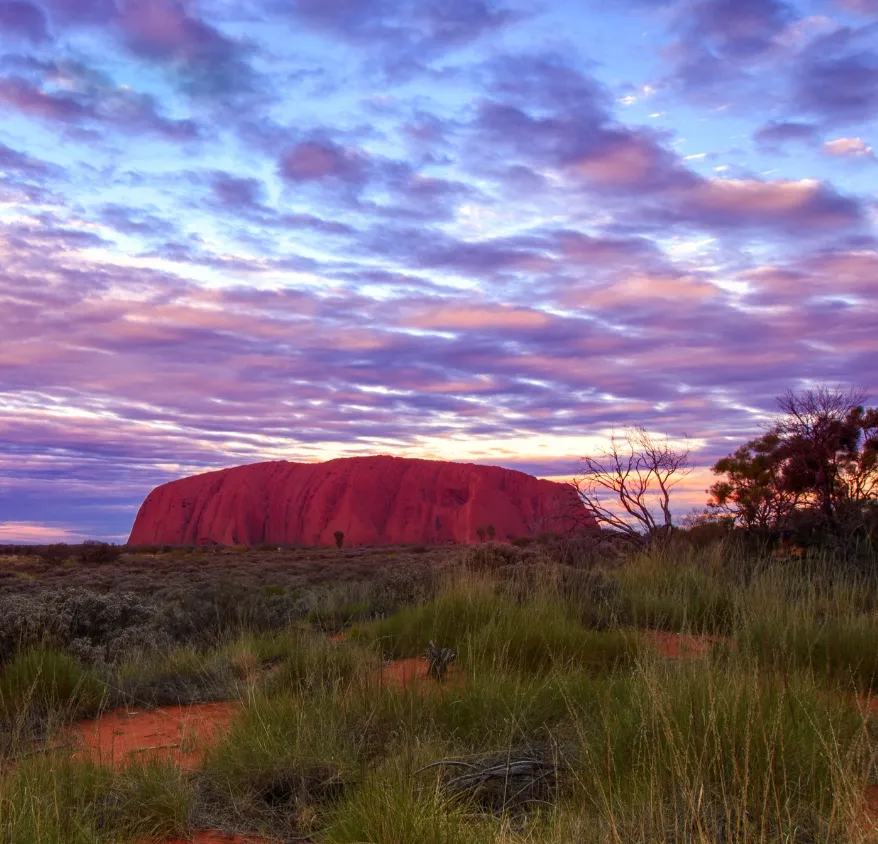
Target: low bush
(487,630)
(211,611)
(98,553)
(94,627)
(54,800)
(55,554)
(39,681)
(841,650)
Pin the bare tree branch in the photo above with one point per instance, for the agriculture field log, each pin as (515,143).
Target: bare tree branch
(639,473)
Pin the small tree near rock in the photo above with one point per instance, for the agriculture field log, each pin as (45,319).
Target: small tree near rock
(628,487)
(480,532)
(339,539)
(491,532)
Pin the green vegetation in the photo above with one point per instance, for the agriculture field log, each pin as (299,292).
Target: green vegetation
(559,720)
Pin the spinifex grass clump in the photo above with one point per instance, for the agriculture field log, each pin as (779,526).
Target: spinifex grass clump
(51,799)
(40,681)
(761,739)
(824,623)
(489,631)
(665,594)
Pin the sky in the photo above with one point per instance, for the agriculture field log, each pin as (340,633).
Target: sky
(481,230)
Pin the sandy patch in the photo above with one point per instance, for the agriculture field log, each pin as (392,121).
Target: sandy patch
(178,734)
(404,673)
(682,645)
(213,837)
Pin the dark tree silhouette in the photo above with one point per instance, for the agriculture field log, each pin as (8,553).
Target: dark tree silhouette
(753,492)
(628,487)
(820,456)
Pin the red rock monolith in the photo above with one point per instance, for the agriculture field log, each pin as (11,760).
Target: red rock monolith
(372,500)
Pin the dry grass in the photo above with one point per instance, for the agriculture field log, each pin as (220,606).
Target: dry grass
(564,724)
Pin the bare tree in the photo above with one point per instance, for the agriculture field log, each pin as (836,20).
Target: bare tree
(628,487)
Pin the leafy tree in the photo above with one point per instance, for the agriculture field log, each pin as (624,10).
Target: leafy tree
(628,487)
(491,532)
(339,539)
(820,456)
(754,491)
(480,533)
(830,446)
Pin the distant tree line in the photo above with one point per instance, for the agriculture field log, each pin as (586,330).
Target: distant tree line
(812,476)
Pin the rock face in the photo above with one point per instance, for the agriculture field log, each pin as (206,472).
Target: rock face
(373,500)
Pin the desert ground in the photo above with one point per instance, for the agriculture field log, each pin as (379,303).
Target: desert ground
(707,693)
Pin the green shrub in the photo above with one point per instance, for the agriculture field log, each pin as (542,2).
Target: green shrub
(487,630)
(54,800)
(843,650)
(54,554)
(42,680)
(98,553)
(675,597)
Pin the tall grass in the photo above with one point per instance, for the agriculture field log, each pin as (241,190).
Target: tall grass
(761,740)
(53,800)
(489,631)
(42,680)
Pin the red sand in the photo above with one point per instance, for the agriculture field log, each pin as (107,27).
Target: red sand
(213,837)
(872,805)
(413,671)
(175,733)
(682,645)
(372,500)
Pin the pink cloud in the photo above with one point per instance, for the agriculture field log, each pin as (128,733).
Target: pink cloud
(848,148)
(445,318)
(804,203)
(312,161)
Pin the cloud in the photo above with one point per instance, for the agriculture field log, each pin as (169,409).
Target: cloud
(719,44)
(848,148)
(237,193)
(434,244)
(79,12)
(774,134)
(864,7)
(13,160)
(23,18)
(794,206)
(601,157)
(404,33)
(836,76)
(317,161)
(166,31)
(735,29)
(88,98)
(39,533)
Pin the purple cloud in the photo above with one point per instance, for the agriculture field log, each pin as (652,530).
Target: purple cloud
(237,193)
(864,7)
(318,161)
(78,12)
(735,29)
(774,134)
(836,77)
(26,19)
(13,160)
(90,99)
(21,94)
(407,33)
(360,261)
(164,30)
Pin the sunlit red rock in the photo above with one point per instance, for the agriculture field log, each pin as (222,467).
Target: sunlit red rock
(372,500)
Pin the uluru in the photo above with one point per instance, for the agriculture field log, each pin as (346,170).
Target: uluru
(373,500)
